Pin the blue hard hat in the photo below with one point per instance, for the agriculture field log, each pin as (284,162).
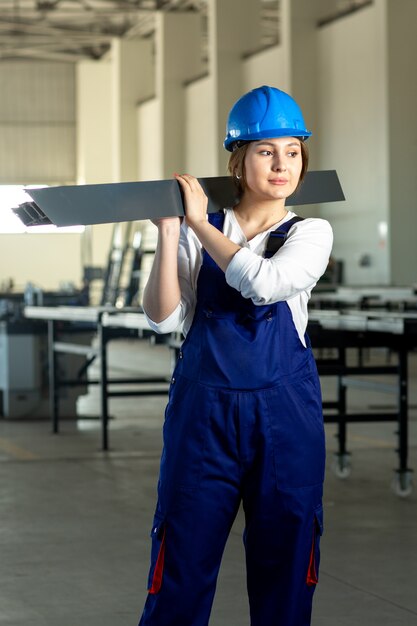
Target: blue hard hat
(264,112)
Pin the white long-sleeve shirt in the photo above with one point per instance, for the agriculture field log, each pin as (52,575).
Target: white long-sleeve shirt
(289,275)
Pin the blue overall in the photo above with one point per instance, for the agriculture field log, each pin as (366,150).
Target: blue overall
(243,424)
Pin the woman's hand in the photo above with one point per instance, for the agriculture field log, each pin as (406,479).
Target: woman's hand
(195,200)
(219,247)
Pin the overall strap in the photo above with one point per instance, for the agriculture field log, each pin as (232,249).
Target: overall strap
(217,219)
(278,237)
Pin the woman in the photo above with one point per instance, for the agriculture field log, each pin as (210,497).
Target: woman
(244,419)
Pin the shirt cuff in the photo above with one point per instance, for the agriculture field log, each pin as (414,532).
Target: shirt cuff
(169,324)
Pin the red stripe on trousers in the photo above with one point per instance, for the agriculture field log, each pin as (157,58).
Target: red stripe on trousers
(312,578)
(159,568)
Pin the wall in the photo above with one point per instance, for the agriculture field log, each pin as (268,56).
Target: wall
(37,146)
(37,123)
(265,68)
(352,126)
(44,260)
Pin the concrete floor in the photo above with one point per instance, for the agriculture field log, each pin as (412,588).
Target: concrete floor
(75,522)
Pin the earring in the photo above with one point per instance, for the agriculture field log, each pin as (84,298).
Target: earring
(238,177)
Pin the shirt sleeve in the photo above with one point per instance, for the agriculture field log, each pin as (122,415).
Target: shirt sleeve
(296,267)
(189,263)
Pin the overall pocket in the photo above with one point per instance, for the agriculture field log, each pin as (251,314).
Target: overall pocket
(314,561)
(184,438)
(297,434)
(157,556)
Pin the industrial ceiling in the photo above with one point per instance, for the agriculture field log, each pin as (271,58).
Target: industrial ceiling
(71,30)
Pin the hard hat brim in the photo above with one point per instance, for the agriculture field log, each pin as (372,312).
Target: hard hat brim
(266,134)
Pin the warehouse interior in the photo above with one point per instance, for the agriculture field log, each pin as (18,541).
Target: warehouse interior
(114,91)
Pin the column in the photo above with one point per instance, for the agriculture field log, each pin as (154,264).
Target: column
(132,80)
(178,59)
(234,30)
(402,123)
(94,149)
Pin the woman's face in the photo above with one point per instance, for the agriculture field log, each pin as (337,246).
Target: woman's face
(273,167)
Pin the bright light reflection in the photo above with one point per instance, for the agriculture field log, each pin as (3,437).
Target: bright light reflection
(12,196)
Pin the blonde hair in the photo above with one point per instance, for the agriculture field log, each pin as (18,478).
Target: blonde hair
(236,166)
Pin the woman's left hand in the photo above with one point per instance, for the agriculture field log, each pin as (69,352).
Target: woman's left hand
(219,247)
(195,200)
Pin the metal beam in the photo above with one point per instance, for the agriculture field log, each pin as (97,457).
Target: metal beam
(41,54)
(38,28)
(122,202)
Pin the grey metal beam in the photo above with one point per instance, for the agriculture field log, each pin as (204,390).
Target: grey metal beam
(122,202)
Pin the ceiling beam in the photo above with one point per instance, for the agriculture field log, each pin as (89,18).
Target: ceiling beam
(31,53)
(46,44)
(38,28)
